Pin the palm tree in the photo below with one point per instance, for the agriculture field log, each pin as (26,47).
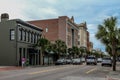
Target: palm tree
(82,50)
(70,51)
(109,50)
(43,43)
(108,35)
(60,47)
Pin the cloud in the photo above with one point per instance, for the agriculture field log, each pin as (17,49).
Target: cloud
(91,11)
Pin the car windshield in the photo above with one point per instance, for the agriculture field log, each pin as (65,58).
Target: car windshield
(76,59)
(106,58)
(60,60)
(90,57)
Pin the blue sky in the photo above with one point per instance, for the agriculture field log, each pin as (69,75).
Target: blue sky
(91,11)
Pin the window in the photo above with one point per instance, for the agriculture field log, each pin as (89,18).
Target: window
(31,37)
(12,34)
(20,34)
(23,35)
(26,36)
(78,42)
(46,29)
(34,38)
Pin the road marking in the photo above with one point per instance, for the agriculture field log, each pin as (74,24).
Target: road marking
(47,70)
(91,70)
(37,72)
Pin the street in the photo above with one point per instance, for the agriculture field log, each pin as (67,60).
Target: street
(62,72)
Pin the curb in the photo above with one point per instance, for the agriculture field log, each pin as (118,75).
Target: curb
(10,68)
(110,78)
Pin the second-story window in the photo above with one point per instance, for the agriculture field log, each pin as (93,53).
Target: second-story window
(26,36)
(31,37)
(34,38)
(23,34)
(12,34)
(46,29)
(20,34)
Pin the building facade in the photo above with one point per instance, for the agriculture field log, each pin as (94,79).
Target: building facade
(61,28)
(17,38)
(83,35)
(91,46)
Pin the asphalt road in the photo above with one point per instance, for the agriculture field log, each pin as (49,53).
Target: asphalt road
(63,72)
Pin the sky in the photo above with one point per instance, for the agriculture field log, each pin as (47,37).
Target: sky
(91,11)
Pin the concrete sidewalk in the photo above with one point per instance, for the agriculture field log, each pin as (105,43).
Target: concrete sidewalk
(114,75)
(5,68)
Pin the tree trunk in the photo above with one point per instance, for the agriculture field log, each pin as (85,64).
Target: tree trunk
(114,56)
(114,62)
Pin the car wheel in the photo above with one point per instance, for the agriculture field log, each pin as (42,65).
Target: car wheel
(110,65)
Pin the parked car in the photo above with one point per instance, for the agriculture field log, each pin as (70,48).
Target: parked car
(76,61)
(91,60)
(68,61)
(106,61)
(60,62)
(99,60)
(83,59)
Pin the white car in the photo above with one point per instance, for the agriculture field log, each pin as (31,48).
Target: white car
(99,60)
(91,60)
(76,61)
(83,59)
(106,61)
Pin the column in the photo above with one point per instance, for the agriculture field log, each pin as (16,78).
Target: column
(35,59)
(38,59)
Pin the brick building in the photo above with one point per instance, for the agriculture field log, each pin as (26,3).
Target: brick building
(62,28)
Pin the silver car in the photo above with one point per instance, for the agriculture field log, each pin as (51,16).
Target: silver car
(77,61)
(91,60)
(106,61)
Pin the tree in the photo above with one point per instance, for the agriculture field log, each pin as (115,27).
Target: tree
(83,51)
(75,51)
(70,51)
(108,35)
(60,48)
(43,43)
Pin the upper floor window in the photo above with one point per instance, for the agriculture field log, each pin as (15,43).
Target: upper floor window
(23,35)
(26,36)
(46,29)
(31,37)
(34,38)
(12,34)
(20,34)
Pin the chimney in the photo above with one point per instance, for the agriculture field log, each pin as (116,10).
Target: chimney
(4,17)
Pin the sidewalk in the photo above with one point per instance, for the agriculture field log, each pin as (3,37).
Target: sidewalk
(5,68)
(114,75)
